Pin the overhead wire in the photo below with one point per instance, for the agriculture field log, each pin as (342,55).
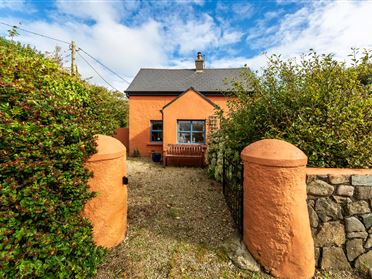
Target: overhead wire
(65,42)
(41,35)
(90,65)
(99,62)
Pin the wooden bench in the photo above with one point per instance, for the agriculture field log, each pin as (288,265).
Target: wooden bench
(195,152)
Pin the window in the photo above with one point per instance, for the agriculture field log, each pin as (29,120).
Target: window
(191,131)
(156,131)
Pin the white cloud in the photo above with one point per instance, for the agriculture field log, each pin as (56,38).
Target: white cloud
(335,27)
(262,34)
(12,5)
(98,28)
(127,48)
(230,37)
(235,10)
(285,2)
(151,41)
(254,63)
(243,10)
(182,63)
(96,10)
(17,6)
(124,49)
(192,34)
(327,27)
(196,2)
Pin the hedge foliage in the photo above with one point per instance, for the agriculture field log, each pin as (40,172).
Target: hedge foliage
(48,120)
(321,105)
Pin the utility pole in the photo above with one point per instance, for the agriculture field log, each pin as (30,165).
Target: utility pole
(73,59)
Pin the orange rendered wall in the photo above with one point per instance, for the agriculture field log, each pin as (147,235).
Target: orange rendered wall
(276,226)
(107,211)
(220,101)
(122,134)
(142,109)
(190,106)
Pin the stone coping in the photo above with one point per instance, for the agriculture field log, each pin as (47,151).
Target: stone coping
(108,148)
(275,153)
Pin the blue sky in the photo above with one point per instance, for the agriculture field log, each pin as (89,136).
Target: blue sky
(129,35)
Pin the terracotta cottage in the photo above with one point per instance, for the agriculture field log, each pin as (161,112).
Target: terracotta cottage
(175,106)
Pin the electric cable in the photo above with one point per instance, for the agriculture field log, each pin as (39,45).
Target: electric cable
(41,35)
(91,56)
(99,62)
(97,72)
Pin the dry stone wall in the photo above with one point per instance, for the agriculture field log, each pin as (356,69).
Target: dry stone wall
(341,220)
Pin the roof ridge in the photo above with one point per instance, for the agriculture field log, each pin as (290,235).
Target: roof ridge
(177,80)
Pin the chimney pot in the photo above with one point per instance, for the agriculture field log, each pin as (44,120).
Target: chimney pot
(199,63)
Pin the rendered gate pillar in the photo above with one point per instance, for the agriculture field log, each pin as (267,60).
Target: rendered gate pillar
(107,211)
(276,226)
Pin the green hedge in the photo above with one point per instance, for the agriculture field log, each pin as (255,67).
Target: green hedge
(48,120)
(317,103)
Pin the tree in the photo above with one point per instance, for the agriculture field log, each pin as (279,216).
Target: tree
(317,103)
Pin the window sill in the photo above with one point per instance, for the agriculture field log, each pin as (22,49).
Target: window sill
(192,143)
(155,143)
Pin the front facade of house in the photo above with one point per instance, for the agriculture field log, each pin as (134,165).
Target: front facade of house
(175,106)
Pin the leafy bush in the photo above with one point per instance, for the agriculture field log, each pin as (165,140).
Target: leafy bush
(110,107)
(318,104)
(48,120)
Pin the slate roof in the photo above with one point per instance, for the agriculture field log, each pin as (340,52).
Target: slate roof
(176,81)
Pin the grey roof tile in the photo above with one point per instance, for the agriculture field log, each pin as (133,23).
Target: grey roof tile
(178,80)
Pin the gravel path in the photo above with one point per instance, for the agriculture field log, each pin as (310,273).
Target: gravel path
(178,224)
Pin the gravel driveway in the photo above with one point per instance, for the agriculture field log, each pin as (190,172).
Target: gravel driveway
(178,224)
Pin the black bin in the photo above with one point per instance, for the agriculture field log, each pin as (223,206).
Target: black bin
(156,157)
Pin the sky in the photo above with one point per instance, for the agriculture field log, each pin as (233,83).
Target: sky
(129,35)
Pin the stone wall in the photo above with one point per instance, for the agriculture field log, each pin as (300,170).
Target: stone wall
(339,205)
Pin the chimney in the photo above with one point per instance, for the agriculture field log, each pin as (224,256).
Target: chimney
(199,63)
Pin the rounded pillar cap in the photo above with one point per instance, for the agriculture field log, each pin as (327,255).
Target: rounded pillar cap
(108,148)
(273,152)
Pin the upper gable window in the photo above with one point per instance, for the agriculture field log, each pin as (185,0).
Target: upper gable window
(156,133)
(191,131)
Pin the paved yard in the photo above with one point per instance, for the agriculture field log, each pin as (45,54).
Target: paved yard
(178,224)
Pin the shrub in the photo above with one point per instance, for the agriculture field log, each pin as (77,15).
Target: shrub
(318,104)
(110,107)
(48,120)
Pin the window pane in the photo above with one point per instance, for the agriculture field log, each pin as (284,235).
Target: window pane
(183,137)
(198,138)
(156,136)
(198,126)
(184,126)
(157,125)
